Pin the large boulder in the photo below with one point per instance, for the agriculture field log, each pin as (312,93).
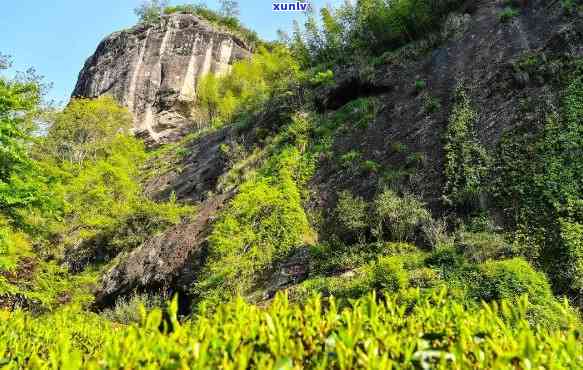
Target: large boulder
(153,69)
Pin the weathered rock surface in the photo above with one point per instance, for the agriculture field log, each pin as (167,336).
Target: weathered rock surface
(168,261)
(153,70)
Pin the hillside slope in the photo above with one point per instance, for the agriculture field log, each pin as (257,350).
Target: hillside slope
(392,130)
(397,184)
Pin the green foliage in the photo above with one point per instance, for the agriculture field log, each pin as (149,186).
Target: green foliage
(399,216)
(37,284)
(466,161)
(539,183)
(509,279)
(150,11)
(351,159)
(420,85)
(507,14)
(130,310)
(572,6)
(323,78)
(388,217)
(230,8)
(497,280)
(227,18)
(13,246)
(264,221)
(435,233)
(86,130)
(431,104)
(365,28)
(482,246)
(398,147)
(88,146)
(352,214)
(370,166)
(23,184)
(389,274)
(415,330)
(251,83)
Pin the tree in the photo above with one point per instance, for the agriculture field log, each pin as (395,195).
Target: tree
(230,8)
(151,10)
(22,183)
(85,129)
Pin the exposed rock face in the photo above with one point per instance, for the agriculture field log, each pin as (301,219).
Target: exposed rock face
(169,261)
(153,70)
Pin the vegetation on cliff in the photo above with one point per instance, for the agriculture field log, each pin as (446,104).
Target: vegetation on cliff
(345,242)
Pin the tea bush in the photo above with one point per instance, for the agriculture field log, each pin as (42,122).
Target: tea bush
(412,330)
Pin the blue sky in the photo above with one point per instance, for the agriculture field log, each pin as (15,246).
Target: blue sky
(56,36)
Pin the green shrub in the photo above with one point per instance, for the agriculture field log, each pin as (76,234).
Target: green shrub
(350,285)
(150,11)
(226,20)
(431,104)
(389,274)
(351,214)
(263,222)
(249,85)
(420,85)
(13,246)
(400,216)
(447,259)
(98,166)
(323,78)
(131,310)
(424,277)
(510,279)
(366,28)
(25,185)
(416,160)
(351,159)
(398,147)
(370,166)
(397,248)
(428,331)
(482,246)
(572,237)
(538,183)
(435,233)
(572,6)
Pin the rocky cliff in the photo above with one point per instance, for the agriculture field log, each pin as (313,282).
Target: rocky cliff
(153,70)
(494,61)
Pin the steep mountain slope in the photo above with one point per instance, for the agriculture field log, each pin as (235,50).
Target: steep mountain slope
(393,118)
(153,69)
(399,184)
